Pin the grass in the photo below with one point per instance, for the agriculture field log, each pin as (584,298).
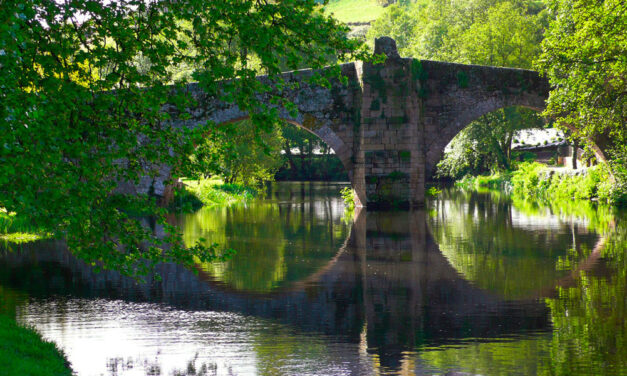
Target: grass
(16,229)
(354,10)
(535,180)
(212,192)
(23,352)
(497,180)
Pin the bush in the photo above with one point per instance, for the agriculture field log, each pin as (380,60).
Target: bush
(534,180)
(496,180)
(526,180)
(212,192)
(348,195)
(19,229)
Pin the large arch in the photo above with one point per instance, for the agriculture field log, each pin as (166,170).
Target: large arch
(326,112)
(325,134)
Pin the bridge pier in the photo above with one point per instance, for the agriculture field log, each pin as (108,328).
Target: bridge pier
(391,134)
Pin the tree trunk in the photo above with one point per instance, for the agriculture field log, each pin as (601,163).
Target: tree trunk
(290,157)
(575,147)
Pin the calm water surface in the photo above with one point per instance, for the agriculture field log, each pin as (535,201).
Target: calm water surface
(474,284)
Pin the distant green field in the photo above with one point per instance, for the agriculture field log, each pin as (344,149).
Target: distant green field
(354,10)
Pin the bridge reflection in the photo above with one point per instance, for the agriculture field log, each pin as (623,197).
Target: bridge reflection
(389,281)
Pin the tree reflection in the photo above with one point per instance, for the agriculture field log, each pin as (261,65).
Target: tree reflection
(271,240)
(514,253)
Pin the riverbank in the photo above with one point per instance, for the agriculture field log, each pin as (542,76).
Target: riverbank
(541,182)
(15,229)
(211,192)
(23,352)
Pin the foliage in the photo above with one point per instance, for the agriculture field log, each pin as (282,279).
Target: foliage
(18,229)
(533,179)
(398,23)
(504,33)
(617,188)
(497,180)
(433,192)
(354,10)
(506,36)
(348,195)
(307,157)
(584,55)
(238,152)
(213,192)
(23,352)
(83,83)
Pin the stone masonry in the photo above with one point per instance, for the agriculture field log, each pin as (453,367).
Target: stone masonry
(389,124)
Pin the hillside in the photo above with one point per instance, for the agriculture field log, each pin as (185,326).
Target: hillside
(351,11)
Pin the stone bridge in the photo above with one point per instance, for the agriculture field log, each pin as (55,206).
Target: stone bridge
(390,123)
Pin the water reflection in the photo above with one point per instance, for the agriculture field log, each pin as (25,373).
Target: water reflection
(504,249)
(474,284)
(281,240)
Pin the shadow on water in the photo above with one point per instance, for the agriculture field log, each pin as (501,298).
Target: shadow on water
(469,270)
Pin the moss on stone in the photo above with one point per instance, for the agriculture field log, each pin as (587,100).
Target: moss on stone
(311,122)
(462,79)
(397,175)
(398,119)
(417,71)
(356,120)
(373,78)
(371,179)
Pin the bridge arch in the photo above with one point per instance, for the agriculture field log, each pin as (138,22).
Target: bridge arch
(325,134)
(464,93)
(458,94)
(329,113)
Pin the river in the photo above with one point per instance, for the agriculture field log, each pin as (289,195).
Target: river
(476,283)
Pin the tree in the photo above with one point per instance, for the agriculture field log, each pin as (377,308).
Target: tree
(504,36)
(507,37)
(584,55)
(397,22)
(240,154)
(83,83)
(486,144)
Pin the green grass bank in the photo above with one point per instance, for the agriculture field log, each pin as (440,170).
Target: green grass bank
(16,229)
(24,353)
(540,182)
(211,192)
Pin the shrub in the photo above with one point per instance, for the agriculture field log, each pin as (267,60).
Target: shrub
(526,180)
(348,195)
(212,192)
